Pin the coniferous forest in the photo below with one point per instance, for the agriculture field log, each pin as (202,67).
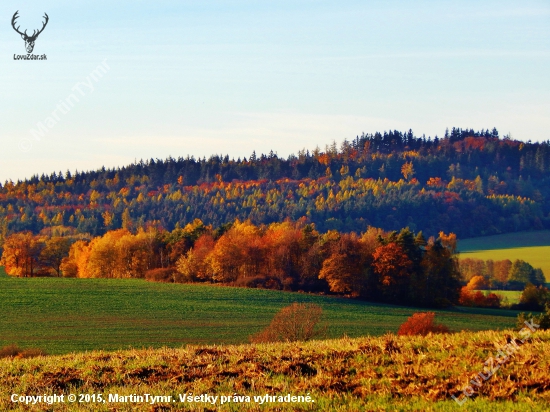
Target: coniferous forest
(468,182)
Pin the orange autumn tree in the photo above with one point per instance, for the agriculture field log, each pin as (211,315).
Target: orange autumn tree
(345,269)
(393,267)
(194,265)
(117,254)
(477,282)
(391,263)
(21,253)
(238,253)
(283,242)
(74,265)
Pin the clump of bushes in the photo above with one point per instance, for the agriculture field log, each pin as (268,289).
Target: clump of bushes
(533,298)
(296,322)
(259,282)
(421,323)
(13,351)
(543,319)
(168,275)
(478,299)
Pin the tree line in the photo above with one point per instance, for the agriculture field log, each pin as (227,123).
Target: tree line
(500,274)
(468,182)
(389,266)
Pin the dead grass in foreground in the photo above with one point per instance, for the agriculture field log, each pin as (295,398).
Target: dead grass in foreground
(371,373)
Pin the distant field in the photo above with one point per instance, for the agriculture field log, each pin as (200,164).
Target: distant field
(512,295)
(532,247)
(66,315)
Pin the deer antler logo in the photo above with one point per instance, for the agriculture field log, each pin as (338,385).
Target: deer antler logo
(29,40)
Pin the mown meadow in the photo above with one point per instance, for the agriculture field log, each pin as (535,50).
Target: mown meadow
(61,315)
(362,374)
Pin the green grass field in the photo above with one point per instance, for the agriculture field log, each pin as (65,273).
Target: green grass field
(66,315)
(532,247)
(511,295)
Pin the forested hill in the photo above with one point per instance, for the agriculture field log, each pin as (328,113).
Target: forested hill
(470,183)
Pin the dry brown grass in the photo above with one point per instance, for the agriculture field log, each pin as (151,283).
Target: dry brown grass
(14,351)
(417,372)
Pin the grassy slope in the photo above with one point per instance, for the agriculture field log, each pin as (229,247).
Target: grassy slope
(66,315)
(383,373)
(532,247)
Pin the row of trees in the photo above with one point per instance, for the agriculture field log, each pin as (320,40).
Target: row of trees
(27,255)
(398,267)
(470,183)
(117,254)
(500,274)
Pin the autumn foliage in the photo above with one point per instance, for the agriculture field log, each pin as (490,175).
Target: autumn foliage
(477,282)
(468,182)
(27,255)
(469,297)
(534,298)
(397,267)
(499,274)
(391,262)
(421,323)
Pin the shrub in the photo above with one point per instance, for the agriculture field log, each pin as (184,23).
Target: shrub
(542,319)
(9,351)
(14,351)
(533,298)
(492,300)
(421,323)
(467,297)
(477,298)
(296,322)
(161,275)
(31,353)
(260,282)
(442,303)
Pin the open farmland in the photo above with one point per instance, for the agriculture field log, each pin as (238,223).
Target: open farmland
(370,373)
(532,247)
(72,315)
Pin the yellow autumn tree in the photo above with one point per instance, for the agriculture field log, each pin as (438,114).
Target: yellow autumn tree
(75,265)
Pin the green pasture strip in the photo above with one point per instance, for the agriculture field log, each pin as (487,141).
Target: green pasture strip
(68,315)
(505,241)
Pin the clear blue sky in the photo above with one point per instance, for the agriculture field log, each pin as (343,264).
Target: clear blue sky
(229,77)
